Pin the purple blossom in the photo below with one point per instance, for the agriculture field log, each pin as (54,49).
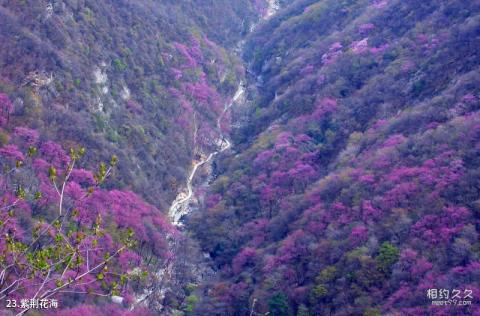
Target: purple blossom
(54,153)
(358,235)
(263,158)
(369,212)
(379,124)
(283,139)
(293,246)
(303,138)
(408,255)
(335,47)
(74,191)
(366,179)
(394,141)
(213,200)
(189,61)
(420,267)
(11,152)
(359,47)
(82,176)
(246,255)
(323,107)
(29,136)
(302,172)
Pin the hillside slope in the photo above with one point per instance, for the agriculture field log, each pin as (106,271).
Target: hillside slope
(103,107)
(355,187)
(123,77)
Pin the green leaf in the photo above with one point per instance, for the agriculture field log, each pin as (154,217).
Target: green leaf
(38,195)
(123,279)
(113,161)
(52,173)
(32,151)
(21,193)
(57,224)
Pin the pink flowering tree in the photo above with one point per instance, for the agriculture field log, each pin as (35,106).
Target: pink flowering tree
(63,253)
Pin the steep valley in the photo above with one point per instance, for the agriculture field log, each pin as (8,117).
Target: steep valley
(240,157)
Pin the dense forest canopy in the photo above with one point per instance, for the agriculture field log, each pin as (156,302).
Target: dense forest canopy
(356,184)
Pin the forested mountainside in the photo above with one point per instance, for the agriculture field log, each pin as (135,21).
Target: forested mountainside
(124,77)
(103,106)
(355,184)
(347,183)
